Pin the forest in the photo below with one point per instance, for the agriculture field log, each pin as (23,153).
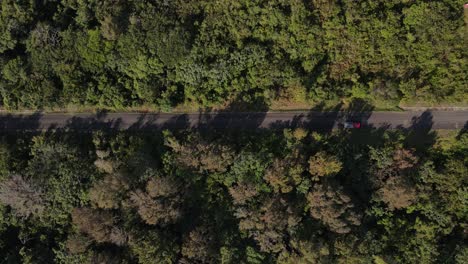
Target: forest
(285,196)
(122,54)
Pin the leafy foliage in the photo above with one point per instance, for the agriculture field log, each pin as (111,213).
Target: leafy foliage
(264,196)
(163,53)
(22,197)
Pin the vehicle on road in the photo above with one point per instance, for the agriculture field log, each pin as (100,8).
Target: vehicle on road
(351,124)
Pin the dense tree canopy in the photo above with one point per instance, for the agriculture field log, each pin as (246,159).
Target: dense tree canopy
(258,196)
(263,196)
(115,53)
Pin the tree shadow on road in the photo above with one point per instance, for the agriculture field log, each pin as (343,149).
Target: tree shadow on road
(13,123)
(463,131)
(319,118)
(324,118)
(150,122)
(104,122)
(238,115)
(420,135)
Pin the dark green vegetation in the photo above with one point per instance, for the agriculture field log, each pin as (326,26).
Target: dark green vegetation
(158,53)
(264,196)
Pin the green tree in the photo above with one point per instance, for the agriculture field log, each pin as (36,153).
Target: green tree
(332,207)
(323,164)
(107,193)
(99,225)
(160,204)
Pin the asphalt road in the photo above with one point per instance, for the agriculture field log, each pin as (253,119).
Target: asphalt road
(312,120)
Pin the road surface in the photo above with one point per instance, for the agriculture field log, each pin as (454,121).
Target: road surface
(252,120)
